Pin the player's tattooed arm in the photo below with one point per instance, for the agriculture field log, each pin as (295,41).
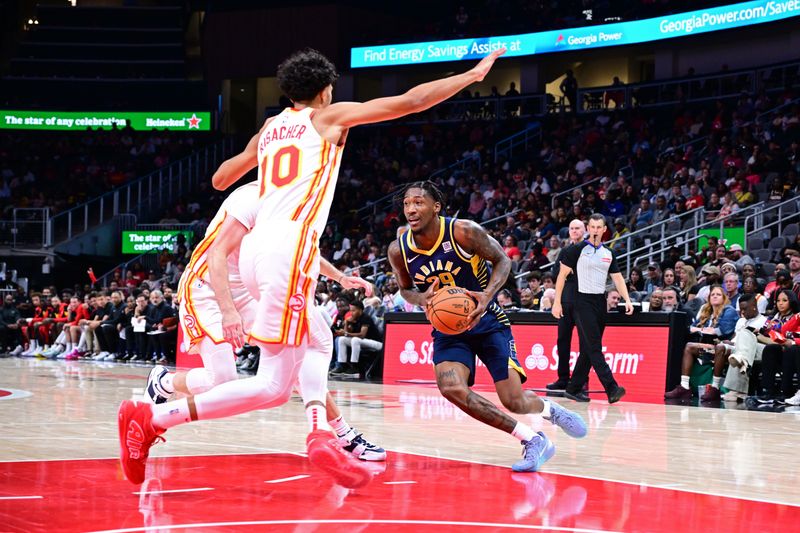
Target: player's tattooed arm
(473,404)
(474,239)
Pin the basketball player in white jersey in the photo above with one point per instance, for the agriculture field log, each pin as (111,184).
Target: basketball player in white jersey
(205,304)
(297,154)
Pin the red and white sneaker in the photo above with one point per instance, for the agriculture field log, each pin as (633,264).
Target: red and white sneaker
(325,453)
(136,436)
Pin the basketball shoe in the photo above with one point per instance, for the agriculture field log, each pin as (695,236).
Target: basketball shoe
(326,454)
(136,436)
(355,443)
(155,391)
(572,423)
(535,453)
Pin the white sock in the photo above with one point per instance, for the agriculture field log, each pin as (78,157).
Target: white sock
(685,382)
(69,347)
(166,382)
(523,433)
(166,415)
(715,381)
(546,410)
(82,342)
(340,426)
(316,418)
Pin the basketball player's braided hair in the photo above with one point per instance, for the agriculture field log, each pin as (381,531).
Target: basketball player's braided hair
(427,186)
(304,74)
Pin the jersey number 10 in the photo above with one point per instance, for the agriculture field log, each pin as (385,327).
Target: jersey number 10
(285,167)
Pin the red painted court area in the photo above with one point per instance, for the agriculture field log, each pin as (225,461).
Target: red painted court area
(411,493)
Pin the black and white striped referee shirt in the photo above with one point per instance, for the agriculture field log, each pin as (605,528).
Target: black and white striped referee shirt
(591,265)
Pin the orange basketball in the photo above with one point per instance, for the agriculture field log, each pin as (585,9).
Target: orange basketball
(449,310)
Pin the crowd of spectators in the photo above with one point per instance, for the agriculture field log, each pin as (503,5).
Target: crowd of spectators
(62,169)
(630,165)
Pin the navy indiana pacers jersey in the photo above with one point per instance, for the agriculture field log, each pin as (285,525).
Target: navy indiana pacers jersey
(491,339)
(448,262)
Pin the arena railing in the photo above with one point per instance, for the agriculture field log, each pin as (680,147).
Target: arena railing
(654,232)
(505,147)
(729,84)
(27,227)
(759,223)
(140,197)
(656,250)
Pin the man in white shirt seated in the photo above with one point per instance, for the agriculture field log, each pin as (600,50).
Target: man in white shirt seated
(740,352)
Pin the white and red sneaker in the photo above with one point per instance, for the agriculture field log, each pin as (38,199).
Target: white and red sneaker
(136,436)
(325,453)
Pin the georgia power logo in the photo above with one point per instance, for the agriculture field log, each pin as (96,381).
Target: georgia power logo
(537,359)
(297,302)
(409,353)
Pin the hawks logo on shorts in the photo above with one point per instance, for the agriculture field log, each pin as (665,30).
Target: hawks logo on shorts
(297,302)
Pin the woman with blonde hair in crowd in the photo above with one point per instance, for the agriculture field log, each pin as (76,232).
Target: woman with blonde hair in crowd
(688,279)
(716,321)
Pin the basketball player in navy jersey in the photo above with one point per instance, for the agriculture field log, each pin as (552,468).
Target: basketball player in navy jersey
(438,252)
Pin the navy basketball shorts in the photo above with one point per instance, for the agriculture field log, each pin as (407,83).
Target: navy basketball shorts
(493,345)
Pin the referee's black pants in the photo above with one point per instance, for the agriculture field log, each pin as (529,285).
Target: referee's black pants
(590,317)
(565,326)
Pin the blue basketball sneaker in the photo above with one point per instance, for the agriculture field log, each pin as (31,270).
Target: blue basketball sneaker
(572,423)
(535,453)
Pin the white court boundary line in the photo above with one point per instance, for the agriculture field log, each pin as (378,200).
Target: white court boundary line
(345,521)
(596,478)
(21,497)
(170,491)
(285,479)
(116,457)
(624,482)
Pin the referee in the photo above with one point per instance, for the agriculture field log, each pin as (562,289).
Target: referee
(566,323)
(592,263)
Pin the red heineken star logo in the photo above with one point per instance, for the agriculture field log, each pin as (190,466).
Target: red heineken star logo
(194,122)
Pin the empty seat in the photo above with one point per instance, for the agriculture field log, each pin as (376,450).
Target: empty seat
(755,243)
(791,230)
(762,255)
(777,243)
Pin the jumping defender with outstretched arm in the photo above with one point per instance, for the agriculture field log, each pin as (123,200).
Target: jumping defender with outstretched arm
(297,153)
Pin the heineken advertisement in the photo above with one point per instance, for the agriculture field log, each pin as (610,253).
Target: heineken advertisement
(83,120)
(139,242)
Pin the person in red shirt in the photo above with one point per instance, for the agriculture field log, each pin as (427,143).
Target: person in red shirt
(78,311)
(695,199)
(511,249)
(30,325)
(50,327)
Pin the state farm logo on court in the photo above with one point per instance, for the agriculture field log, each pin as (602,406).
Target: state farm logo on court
(297,302)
